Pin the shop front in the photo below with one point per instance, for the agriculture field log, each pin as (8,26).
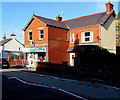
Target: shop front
(32,55)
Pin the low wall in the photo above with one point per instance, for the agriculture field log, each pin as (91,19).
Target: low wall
(16,62)
(47,66)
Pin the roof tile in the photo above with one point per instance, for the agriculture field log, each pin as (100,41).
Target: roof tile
(88,20)
(4,42)
(51,22)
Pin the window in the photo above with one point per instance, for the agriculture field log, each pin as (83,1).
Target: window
(87,36)
(66,36)
(72,37)
(41,33)
(30,35)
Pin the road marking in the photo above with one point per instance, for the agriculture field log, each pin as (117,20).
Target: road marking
(46,86)
(72,80)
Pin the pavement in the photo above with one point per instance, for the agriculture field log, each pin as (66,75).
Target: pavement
(80,88)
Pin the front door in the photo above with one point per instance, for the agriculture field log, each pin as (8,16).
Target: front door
(72,55)
(31,58)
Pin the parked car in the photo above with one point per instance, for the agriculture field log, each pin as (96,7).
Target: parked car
(4,63)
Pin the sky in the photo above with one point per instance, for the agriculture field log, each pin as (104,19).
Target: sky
(15,15)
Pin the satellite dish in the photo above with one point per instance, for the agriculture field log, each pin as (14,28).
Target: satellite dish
(98,37)
(62,13)
(32,42)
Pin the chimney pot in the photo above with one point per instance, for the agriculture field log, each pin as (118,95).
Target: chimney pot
(58,18)
(13,36)
(109,7)
(4,37)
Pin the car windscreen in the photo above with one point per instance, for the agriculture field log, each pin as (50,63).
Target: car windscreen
(3,60)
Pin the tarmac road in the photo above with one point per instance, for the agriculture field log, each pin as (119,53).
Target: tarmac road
(13,89)
(91,91)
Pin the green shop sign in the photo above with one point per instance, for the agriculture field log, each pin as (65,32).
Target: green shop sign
(40,49)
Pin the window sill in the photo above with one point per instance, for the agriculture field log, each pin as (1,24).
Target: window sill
(88,42)
(40,39)
(71,42)
(29,40)
(66,41)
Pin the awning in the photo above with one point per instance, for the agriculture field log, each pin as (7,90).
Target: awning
(80,47)
(71,49)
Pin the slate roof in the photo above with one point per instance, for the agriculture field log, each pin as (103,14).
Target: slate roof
(4,42)
(90,20)
(51,22)
(7,40)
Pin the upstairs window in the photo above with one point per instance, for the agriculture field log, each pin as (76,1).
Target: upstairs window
(72,37)
(66,36)
(40,33)
(87,36)
(30,35)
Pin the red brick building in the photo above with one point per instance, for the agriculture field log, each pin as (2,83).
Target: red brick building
(54,40)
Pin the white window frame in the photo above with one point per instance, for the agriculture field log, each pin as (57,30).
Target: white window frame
(39,34)
(29,35)
(83,37)
(71,38)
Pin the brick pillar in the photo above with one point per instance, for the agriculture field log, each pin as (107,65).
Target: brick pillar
(9,58)
(20,57)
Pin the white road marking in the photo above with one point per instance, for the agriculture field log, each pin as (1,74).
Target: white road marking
(77,96)
(71,80)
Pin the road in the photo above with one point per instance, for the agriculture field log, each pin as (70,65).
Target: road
(13,89)
(77,89)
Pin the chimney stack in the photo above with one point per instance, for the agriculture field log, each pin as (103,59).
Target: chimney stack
(4,37)
(13,36)
(109,7)
(58,18)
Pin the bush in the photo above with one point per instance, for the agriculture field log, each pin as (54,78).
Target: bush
(96,62)
(96,55)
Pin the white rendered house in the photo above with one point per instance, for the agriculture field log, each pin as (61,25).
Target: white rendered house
(11,47)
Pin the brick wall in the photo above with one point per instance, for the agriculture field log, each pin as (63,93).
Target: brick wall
(55,38)
(57,45)
(16,62)
(34,25)
(51,66)
(77,34)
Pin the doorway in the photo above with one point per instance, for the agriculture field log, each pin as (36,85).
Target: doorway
(72,55)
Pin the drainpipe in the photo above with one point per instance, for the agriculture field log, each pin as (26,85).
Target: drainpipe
(3,51)
(100,35)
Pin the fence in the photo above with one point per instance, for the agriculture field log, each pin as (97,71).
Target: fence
(16,62)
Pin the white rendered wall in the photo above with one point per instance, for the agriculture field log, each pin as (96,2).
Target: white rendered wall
(13,45)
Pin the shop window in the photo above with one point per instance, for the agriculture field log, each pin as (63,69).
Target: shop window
(87,36)
(42,54)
